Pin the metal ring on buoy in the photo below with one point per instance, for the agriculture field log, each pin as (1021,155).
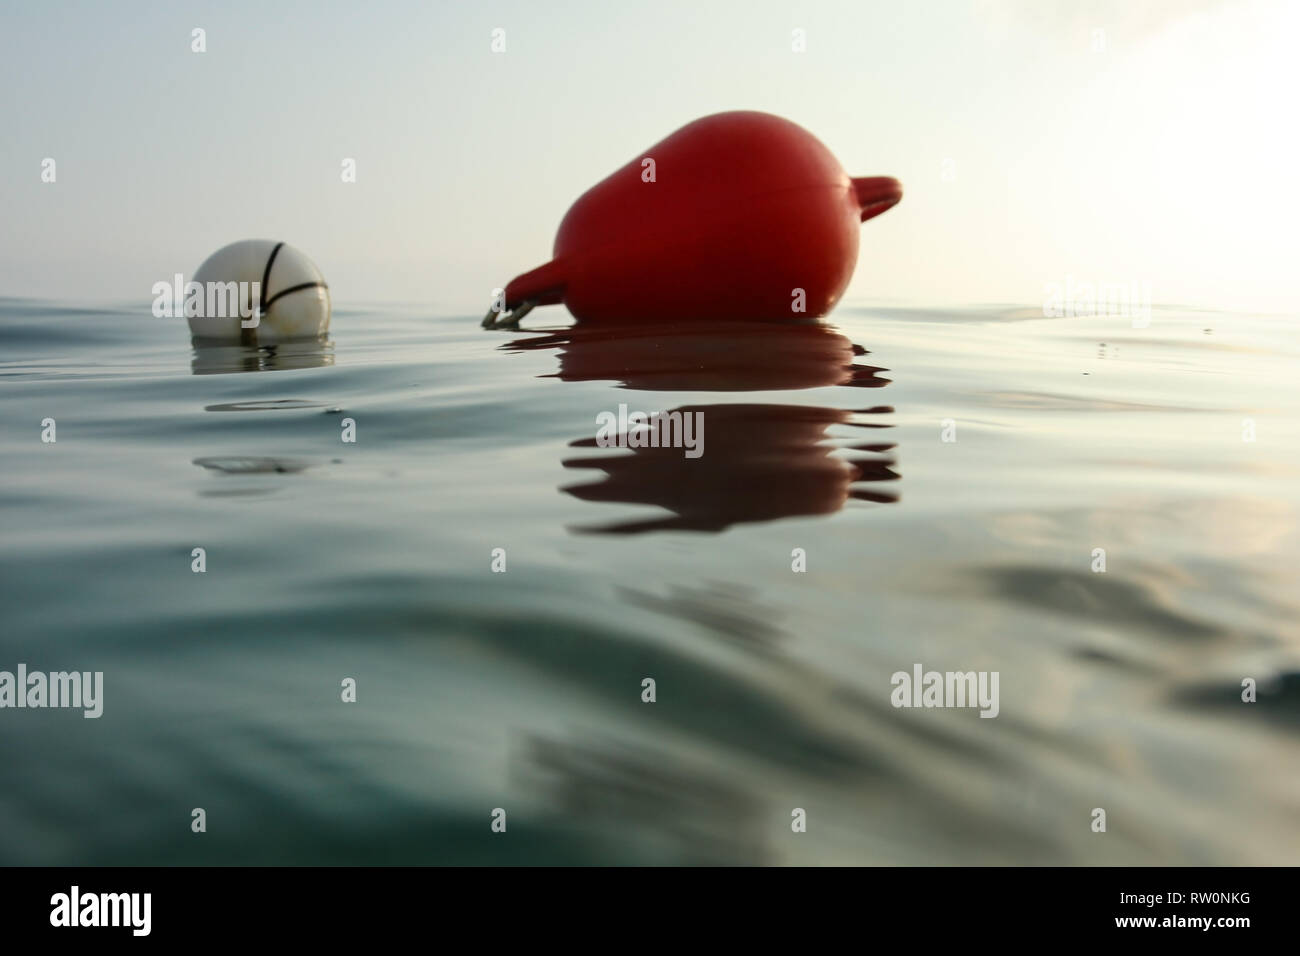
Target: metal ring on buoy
(508,320)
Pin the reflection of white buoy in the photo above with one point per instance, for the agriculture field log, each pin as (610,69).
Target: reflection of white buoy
(281,293)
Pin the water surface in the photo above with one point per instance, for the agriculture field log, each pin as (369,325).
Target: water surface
(522,690)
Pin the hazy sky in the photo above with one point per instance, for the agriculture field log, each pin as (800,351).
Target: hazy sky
(1167,156)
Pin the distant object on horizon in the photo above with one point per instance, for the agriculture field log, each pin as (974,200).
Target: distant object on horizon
(281,295)
(736,216)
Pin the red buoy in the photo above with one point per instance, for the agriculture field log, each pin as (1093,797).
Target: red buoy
(736,216)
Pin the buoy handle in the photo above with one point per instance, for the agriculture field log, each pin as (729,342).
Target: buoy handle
(876,194)
(543,285)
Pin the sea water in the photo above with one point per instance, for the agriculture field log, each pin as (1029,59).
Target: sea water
(384,598)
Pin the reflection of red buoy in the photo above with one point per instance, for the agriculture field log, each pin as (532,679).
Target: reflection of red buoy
(707,356)
(735,216)
(760,463)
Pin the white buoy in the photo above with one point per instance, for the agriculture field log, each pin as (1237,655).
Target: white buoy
(282,295)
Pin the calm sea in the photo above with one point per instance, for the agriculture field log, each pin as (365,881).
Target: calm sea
(951,481)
